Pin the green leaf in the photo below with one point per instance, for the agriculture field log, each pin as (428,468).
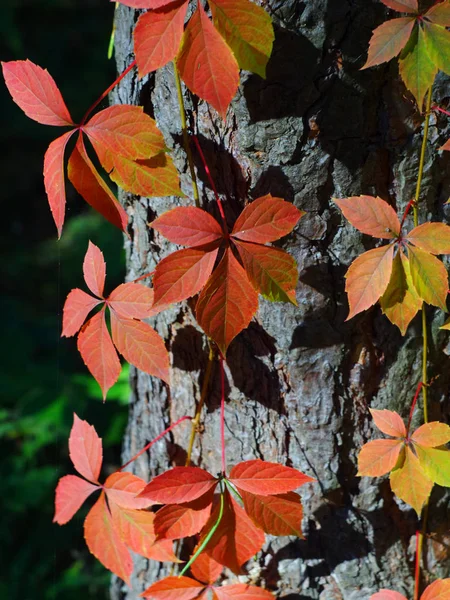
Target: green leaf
(435,463)
(417,69)
(439,13)
(437,42)
(429,277)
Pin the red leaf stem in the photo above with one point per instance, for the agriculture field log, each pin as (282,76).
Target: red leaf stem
(417,566)
(407,209)
(144,276)
(442,110)
(413,406)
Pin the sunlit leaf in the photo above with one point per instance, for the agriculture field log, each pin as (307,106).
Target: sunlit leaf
(431,237)
(71,492)
(417,69)
(85,449)
(266,478)
(379,457)
(389,422)
(429,277)
(410,482)
(277,515)
(179,485)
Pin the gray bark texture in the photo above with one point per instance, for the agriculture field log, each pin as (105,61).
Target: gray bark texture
(300,379)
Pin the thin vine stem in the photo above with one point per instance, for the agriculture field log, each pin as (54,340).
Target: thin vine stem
(222,414)
(184,130)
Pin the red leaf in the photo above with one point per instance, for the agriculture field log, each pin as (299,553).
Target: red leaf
(141,346)
(378,457)
(36,92)
(227,303)
(176,521)
(266,478)
(94,270)
(174,588)
(206,63)
(408,6)
(94,190)
(71,492)
(98,353)
(179,485)
(387,595)
(272,272)
(54,179)
(431,237)
(132,301)
(241,590)
(370,215)
(368,277)
(104,541)
(122,488)
(266,219)
(206,569)
(438,590)
(188,226)
(236,539)
(126,131)
(388,40)
(389,422)
(77,306)
(146,3)
(277,515)
(182,274)
(85,449)
(157,36)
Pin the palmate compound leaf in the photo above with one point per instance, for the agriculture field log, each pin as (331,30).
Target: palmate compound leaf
(429,277)
(408,6)
(241,591)
(389,422)
(85,449)
(247,29)
(431,237)
(157,36)
(388,40)
(276,515)
(174,588)
(410,482)
(152,4)
(266,478)
(206,63)
(179,485)
(417,69)
(438,590)
(370,215)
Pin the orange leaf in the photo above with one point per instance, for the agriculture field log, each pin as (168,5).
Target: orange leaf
(132,301)
(174,588)
(432,434)
(429,277)
(157,36)
(407,6)
(85,449)
(188,226)
(410,483)
(387,595)
(388,40)
(368,277)
(389,422)
(266,478)
(431,237)
(176,521)
(227,303)
(77,306)
(277,515)
(206,63)
(378,457)
(182,274)
(266,219)
(439,14)
(122,489)
(71,492)
(35,91)
(94,270)
(98,353)
(241,591)
(179,485)
(206,569)
(54,179)
(104,541)
(94,190)
(370,215)
(438,590)
(141,346)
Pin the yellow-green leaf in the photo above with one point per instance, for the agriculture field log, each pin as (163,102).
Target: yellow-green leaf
(429,277)
(437,42)
(439,13)
(410,483)
(416,67)
(436,464)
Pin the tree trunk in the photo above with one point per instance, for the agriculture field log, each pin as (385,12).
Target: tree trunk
(300,379)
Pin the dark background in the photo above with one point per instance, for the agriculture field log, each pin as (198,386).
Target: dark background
(42,378)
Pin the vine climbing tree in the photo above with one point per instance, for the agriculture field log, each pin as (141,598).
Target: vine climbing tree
(249,465)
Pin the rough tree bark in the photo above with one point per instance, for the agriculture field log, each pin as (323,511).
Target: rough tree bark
(300,379)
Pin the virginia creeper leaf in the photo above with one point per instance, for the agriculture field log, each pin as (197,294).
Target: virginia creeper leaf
(98,353)
(94,270)
(266,219)
(266,478)
(408,6)
(378,457)
(152,4)
(176,521)
(104,541)
(435,464)
(35,91)
(242,591)
(388,40)
(437,43)
(410,483)
(247,29)
(54,179)
(141,346)
(206,63)
(438,590)
(206,569)
(387,595)
(368,277)
(439,14)
(371,215)
(157,36)
(174,588)
(227,303)
(389,422)
(431,237)
(94,190)
(182,274)
(76,308)
(132,301)
(179,485)
(277,515)
(417,69)
(432,434)
(122,489)
(429,277)
(188,226)
(71,492)
(85,449)
(272,272)
(401,302)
